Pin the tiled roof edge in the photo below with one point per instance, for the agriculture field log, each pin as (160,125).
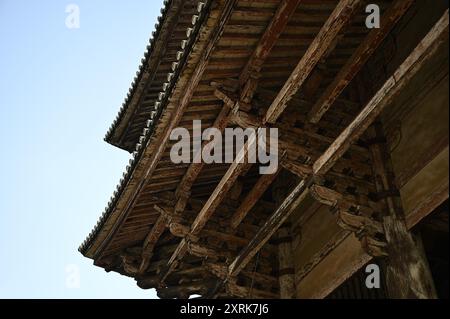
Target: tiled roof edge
(161,103)
(134,84)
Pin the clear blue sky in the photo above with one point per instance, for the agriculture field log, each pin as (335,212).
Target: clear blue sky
(60,89)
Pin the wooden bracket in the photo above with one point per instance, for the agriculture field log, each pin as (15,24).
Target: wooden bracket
(354,217)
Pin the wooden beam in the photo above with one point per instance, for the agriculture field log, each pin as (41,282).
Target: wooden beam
(354,217)
(321,254)
(332,198)
(316,51)
(204,251)
(270,227)
(151,240)
(407,271)
(221,271)
(206,212)
(301,170)
(392,87)
(286,270)
(147,282)
(289,135)
(185,290)
(180,230)
(277,25)
(329,271)
(246,120)
(234,289)
(217,196)
(197,164)
(252,197)
(358,59)
(165,215)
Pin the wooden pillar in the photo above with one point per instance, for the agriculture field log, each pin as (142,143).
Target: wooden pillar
(286,270)
(406,270)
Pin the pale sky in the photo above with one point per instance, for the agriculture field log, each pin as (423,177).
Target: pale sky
(60,89)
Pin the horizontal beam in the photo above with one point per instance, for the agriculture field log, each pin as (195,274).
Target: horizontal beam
(244,292)
(213,231)
(218,195)
(221,271)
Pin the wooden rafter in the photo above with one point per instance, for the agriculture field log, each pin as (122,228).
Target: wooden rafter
(177,115)
(252,197)
(269,228)
(197,164)
(165,216)
(208,209)
(150,241)
(269,38)
(316,51)
(148,77)
(358,59)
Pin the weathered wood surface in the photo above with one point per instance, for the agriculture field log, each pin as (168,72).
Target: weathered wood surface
(252,198)
(150,241)
(286,271)
(197,164)
(358,59)
(392,87)
(269,228)
(407,271)
(269,38)
(320,46)
(408,68)
(165,215)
